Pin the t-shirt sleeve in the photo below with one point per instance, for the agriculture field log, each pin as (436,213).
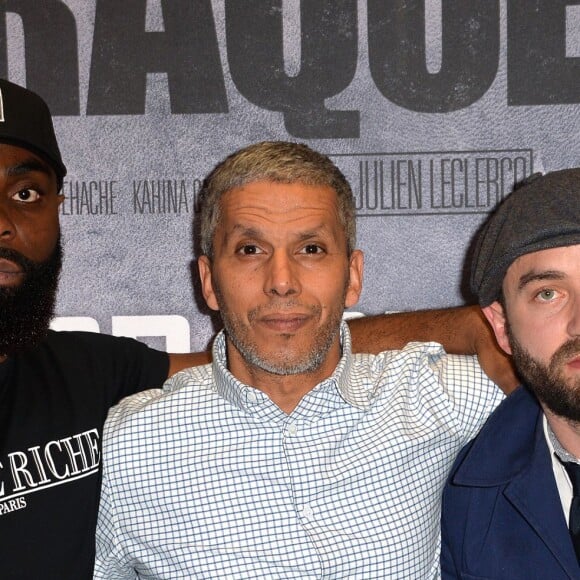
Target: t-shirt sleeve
(136,367)
(116,366)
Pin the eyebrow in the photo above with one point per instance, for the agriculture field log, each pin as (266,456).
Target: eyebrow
(243,230)
(311,234)
(539,276)
(28,166)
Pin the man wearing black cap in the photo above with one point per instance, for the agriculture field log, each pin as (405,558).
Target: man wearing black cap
(55,388)
(511,508)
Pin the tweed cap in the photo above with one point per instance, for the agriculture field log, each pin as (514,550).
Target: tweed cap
(25,121)
(542,213)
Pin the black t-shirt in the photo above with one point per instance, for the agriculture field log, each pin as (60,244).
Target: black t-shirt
(54,400)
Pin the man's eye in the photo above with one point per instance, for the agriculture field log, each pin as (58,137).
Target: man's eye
(312,249)
(249,250)
(546,295)
(26,195)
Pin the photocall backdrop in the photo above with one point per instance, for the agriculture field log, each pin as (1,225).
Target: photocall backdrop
(432,109)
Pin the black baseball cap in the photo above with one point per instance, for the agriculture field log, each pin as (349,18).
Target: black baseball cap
(25,121)
(542,213)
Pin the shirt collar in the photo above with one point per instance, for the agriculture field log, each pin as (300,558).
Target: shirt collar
(555,446)
(246,397)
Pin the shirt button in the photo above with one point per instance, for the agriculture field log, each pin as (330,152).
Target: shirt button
(252,397)
(292,429)
(307,512)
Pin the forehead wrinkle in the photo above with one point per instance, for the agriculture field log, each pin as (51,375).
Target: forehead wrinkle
(254,214)
(253,232)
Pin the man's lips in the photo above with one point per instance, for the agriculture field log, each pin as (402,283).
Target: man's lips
(10,273)
(574,363)
(9,267)
(284,322)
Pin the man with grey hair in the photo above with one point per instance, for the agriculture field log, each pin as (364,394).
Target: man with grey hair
(515,490)
(288,456)
(56,387)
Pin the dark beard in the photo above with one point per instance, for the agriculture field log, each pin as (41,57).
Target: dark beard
(547,381)
(27,309)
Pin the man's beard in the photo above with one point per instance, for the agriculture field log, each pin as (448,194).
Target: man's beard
(547,381)
(282,363)
(27,309)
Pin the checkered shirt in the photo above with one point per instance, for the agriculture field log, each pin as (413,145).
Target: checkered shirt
(210,479)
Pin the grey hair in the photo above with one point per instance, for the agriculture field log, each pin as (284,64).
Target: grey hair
(280,162)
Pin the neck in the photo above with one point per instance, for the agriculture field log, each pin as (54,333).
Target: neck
(566,430)
(286,391)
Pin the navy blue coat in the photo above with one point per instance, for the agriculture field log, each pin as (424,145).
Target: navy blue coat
(502,517)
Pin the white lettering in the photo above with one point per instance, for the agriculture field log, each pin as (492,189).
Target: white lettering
(50,460)
(73,455)
(37,460)
(92,438)
(18,470)
(55,463)
(12,505)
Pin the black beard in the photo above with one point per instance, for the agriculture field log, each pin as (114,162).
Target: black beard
(547,380)
(27,309)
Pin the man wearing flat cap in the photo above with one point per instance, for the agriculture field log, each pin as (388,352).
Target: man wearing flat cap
(511,507)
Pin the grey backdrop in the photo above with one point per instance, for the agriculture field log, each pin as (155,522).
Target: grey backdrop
(432,109)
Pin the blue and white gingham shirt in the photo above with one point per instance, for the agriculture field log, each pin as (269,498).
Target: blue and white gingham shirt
(210,479)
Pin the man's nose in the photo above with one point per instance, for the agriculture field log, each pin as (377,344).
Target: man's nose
(574,323)
(7,229)
(282,278)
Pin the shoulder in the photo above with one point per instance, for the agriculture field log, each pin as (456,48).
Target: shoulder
(425,380)
(506,442)
(79,340)
(514,422)
(78,348)
(181,395)
(121,414)
(418,362)
(120,365)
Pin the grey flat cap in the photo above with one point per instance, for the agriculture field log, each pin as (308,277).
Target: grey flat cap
(543,213)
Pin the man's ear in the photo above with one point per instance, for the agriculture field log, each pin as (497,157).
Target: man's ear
(354,289)
(204,267)
(496,316)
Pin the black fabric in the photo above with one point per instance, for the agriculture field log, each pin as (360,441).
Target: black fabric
(573,470)
(25,121)
(53,403)
(543,213)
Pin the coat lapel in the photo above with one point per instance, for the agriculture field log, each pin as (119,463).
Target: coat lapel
(533,492)
(511,452)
